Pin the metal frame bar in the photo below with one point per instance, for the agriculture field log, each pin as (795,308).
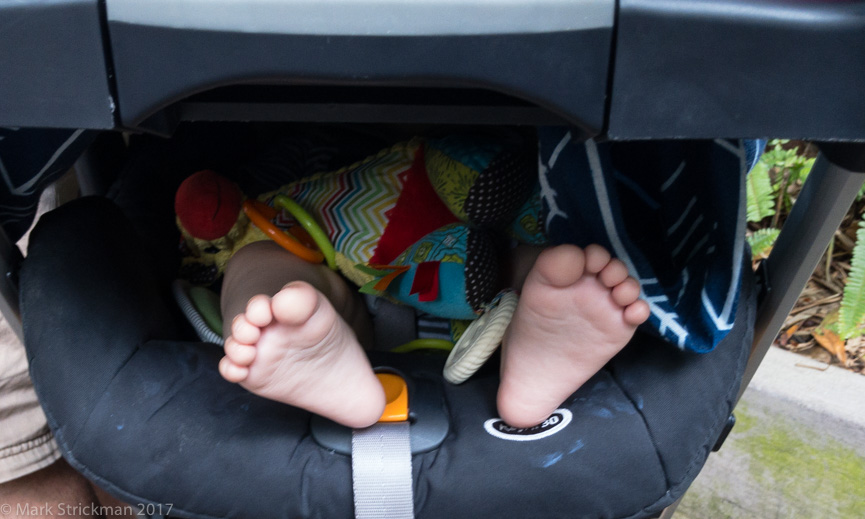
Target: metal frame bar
(10,260)
(818,212)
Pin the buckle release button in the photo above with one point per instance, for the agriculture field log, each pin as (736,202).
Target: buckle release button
(396,396)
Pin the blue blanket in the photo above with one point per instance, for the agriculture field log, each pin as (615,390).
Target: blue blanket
(672,211)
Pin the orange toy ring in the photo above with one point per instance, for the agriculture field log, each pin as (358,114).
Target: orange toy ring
(261,214)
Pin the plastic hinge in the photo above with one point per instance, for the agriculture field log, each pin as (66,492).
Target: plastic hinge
(731,421)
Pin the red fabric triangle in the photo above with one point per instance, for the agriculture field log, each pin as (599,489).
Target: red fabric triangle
(385,281)
(426,281)
(418,212)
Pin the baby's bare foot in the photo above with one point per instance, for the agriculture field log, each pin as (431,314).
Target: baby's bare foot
(296,349)
(577,310)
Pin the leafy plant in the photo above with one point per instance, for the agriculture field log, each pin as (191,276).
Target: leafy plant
(788,168)
(761,194)
(852,314)
(831,311)
(780,170)
(787,160)
(761,241)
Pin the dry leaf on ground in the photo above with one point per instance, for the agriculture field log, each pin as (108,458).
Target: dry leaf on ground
(833,344)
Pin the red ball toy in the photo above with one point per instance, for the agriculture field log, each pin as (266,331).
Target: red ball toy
(207,205)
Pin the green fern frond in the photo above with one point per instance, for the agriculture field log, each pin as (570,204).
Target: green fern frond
(852,314)
(761,196)
(802,168)
(761,241)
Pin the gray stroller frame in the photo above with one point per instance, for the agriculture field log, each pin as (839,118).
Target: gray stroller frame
(626,70)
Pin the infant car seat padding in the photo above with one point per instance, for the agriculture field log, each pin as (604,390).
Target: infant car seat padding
(147,416)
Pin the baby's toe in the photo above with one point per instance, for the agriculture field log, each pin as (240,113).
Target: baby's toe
(636,313)
(258,311)
(295,303)
(243,331)
(240,354)
(597,258)
(231,371)
(613,274)
(626,292)
(559,266)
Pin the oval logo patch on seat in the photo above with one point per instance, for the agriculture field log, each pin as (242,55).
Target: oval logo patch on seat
(555,423)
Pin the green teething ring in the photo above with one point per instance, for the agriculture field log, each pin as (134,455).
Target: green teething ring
(424,344)
(310,225)
(207,304)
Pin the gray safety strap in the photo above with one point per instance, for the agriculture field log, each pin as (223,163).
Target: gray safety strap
(381,471)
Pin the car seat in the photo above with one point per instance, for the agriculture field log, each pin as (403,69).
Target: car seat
(139,408)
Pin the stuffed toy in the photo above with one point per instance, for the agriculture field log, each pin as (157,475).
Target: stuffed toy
(212,225)
(420,223)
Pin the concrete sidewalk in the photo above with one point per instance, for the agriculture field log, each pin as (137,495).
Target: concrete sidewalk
(797,450)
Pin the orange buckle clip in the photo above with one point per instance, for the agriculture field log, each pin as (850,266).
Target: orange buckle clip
(396,396)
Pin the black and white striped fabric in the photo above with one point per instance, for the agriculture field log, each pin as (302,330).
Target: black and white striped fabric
(672,211)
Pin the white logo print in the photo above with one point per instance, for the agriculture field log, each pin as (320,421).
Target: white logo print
(555,423)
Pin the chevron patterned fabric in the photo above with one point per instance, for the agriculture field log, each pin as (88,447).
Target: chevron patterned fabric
(352,204)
